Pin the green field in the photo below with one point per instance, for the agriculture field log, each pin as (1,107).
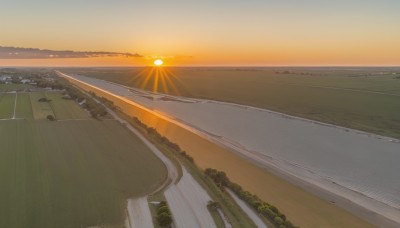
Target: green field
(363,98)
(40,109)
(65,109)
(7,101)
(28,106)
(24,107)
(14,87)
(73,173)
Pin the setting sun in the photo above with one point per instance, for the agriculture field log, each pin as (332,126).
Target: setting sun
(158,62)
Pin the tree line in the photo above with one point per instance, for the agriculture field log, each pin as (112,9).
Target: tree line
(263,208)
(70,92)
(164,216)
(162,139)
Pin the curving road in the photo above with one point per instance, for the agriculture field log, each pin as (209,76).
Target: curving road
(188,202)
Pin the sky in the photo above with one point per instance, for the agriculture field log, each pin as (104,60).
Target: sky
(205,33)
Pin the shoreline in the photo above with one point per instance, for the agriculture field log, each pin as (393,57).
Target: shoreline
(324,191)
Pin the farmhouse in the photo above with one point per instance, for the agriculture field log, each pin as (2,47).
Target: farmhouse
(25,81)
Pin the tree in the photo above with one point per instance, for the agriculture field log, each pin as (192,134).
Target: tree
(163,209)
(288,224)
(43,99)
(164,219)
(278,220)
(213,204)
(50,117)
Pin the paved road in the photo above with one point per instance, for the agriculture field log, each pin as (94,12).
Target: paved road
(139,213)
(250,212)
(188,202)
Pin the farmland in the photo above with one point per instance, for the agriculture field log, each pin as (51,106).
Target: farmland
(40,109)
(7,105)
(65,109)
(12,87)
(73,172)
(367,99)
(24,108)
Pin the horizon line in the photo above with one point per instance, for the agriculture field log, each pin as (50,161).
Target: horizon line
(210,66)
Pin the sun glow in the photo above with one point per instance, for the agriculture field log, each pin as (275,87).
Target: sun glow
(158,62)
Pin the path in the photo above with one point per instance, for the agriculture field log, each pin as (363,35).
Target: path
(15,104)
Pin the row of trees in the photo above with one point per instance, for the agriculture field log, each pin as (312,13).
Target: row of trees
(164,217)
(165,141)
(95,109)
(152,132)
(263,208)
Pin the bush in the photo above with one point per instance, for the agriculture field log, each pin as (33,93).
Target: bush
(163,209)
(274,209)
(278,220)
(164,219)
(289,224)
(213,204)
(43,99)
(51,117)
(165,141)
(269,213)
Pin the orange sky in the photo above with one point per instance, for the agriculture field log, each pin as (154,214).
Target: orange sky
(191,33)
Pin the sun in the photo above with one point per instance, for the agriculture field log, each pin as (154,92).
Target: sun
(158,62)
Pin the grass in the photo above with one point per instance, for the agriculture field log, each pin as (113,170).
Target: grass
(263,218)
(24,107)
(366,99)
(7,102)
(65,109)
(236,216)
(69,173)
(40,109)
(14,87)
(216,217)
(28,106)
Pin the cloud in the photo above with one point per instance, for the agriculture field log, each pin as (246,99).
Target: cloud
(168,56)
(35,53)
